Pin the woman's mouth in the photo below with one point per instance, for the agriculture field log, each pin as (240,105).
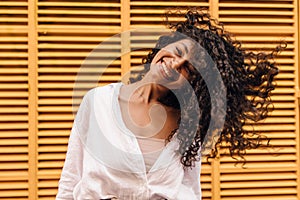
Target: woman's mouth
(168,73)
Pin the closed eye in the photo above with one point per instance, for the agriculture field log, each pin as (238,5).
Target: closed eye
(179,51)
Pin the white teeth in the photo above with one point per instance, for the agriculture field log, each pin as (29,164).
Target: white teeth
(166,70)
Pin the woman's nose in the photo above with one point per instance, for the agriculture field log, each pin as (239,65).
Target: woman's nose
(177,63)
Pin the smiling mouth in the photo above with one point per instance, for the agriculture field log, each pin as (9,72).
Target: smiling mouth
(167,73)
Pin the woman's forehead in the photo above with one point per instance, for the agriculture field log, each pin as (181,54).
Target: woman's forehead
(184,45)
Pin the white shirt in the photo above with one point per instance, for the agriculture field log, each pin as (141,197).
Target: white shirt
(104,159)
(151,148)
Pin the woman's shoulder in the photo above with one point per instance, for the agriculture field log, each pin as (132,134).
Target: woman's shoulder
(99,97)
(100,90)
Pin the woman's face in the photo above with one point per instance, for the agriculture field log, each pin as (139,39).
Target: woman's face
(170,66)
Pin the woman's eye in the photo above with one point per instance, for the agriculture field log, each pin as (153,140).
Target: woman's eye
(179,52)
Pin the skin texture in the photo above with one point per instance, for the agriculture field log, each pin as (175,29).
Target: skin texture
(168,71)
(248,77)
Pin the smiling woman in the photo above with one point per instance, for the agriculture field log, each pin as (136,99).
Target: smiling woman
(144,140)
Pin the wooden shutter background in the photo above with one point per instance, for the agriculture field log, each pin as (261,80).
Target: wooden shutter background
(270,173)
(13,100)
(67,32)
(43,44)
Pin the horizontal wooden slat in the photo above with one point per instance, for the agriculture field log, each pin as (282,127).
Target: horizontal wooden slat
(221,19)
(278,120)
(13,28)
(79,20)
(14,157)
(53,140)
(13,101)
(77,46)
(152,11)
(77,29)
(13,70)
(19,141)
(13,46)
(77,62)
(16,185)
(13,118)
(257,191)
(14,193)
(47,183)
(264,197)
(47,192)
(78,4)
(166,3)
(78,12)
(49,133)
(254,13)
(58,102)
(13,134)
(78,70)
(78,39)
(280,134)
(78,55)
(13,166)
(52,149)
(60,117)
(13,19)
(71,85)
(13,78)
(55,125)
(13,126)
(257,184)
(14,109)
(276,30)
(261,167)
(17,149)
(256,20)
(256,5)
(52,156)
(96,77)
(12,176)
(259,176)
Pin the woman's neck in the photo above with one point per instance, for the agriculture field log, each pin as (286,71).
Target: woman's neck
(143,91)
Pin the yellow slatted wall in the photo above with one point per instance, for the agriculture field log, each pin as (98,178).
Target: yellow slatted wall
(270,173)
(67,32)
(13,100)
(43,45)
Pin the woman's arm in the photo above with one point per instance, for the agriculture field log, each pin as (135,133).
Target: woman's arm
(72,170)
(71,173)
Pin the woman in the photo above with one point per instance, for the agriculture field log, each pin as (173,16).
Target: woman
(144,140)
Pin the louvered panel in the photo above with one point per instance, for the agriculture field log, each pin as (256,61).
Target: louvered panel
(206,180)
(270,172)
(13,100)
(69,31)
(149,14)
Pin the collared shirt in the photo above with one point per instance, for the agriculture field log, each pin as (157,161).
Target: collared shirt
(104,159)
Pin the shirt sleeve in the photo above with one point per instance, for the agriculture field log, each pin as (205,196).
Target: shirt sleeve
(191,179)
(71,173)
(72,170)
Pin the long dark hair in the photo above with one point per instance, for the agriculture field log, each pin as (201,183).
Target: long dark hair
(247,76)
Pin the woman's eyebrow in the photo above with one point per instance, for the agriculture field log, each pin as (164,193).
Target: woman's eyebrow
(185,47)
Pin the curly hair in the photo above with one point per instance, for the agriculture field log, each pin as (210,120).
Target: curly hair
(247,76)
